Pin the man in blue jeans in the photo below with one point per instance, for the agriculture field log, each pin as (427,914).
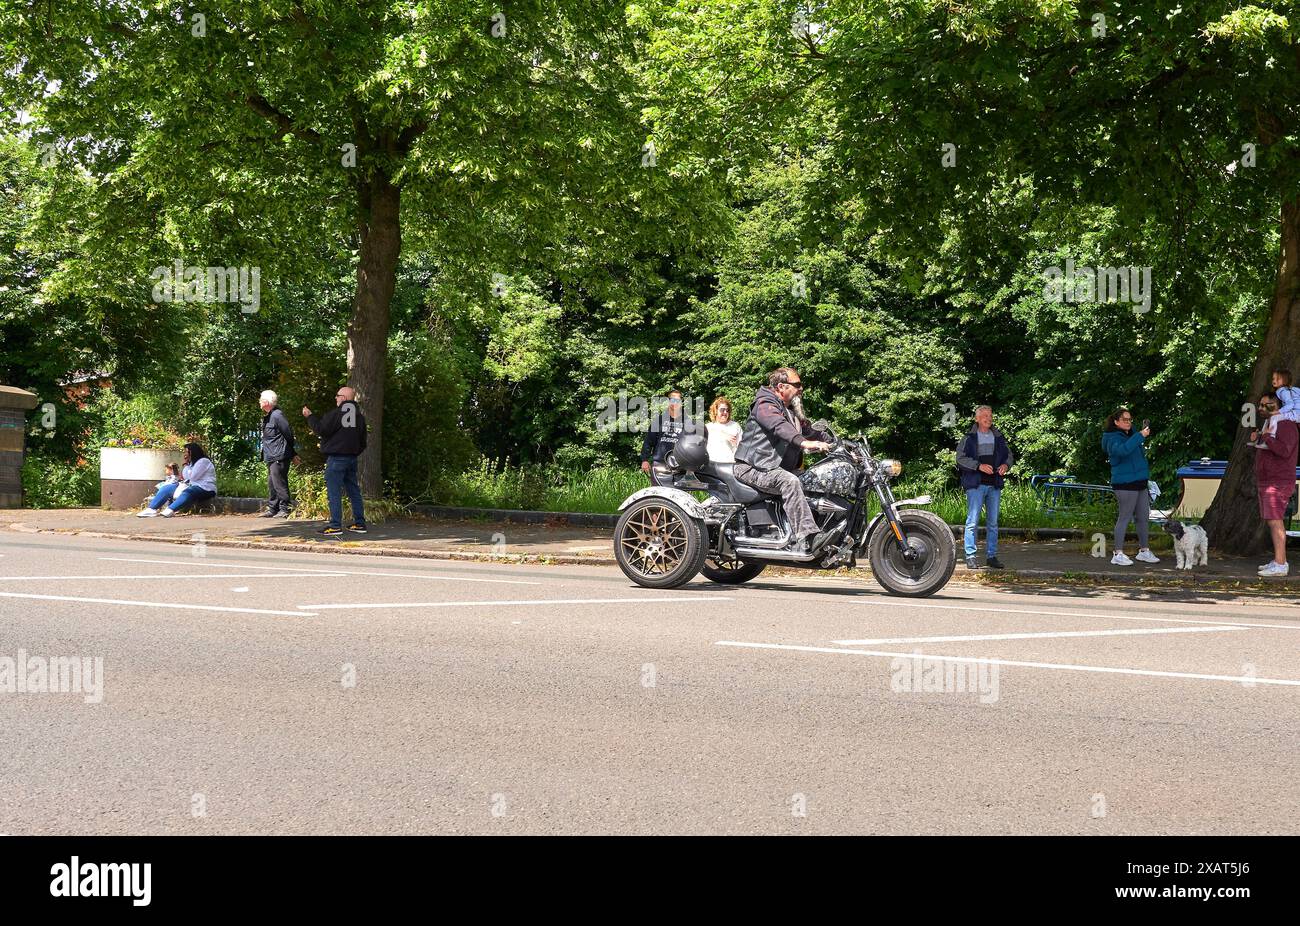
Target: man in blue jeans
(342,435)
(983,459)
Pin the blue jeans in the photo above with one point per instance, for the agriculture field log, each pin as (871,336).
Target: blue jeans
(340,475)
(191,495)
(988,498)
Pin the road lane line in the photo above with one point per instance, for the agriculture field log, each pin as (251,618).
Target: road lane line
(895,605)
(1029,636)
(521,601)
(153,604)
(181,575)
(1241,679)
(348,572)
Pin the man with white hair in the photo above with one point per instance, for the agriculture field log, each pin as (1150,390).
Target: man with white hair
(983,459)
(277,452)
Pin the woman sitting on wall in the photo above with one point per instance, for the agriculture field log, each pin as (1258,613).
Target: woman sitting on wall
(198,484)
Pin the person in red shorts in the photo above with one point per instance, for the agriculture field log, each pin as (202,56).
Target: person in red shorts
(1276,446)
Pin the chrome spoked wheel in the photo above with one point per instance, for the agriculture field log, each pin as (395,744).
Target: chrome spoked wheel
(658,545)
(730,571)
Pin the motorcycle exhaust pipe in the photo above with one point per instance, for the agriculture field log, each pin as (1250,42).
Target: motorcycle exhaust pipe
(786,556)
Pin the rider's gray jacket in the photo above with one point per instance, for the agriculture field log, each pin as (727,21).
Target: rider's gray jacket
(773,436)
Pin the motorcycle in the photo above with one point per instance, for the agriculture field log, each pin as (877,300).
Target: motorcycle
(665,535)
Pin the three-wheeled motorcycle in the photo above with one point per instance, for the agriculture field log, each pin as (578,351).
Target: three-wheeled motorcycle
(666,535)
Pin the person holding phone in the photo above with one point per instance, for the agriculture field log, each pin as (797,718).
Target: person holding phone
(1129,474)
(1276,444)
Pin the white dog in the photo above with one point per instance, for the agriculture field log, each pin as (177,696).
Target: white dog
(1191,544)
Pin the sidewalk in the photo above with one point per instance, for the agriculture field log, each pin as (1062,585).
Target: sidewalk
(1053,562)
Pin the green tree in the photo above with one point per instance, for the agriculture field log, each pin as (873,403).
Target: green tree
(281,133)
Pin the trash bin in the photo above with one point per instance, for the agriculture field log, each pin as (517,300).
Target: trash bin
(15,403)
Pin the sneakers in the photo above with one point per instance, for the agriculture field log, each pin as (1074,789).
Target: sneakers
(268,513)
(994,563)
(331,531)
(357,528)
(1146,556)
(167,512)
(1275,569)
(150,513)
(972,563)
(282,513)
(1119,559)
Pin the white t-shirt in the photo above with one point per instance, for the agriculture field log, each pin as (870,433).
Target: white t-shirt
(723,439)
(201,475)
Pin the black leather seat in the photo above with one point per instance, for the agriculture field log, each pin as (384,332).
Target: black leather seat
(741,493)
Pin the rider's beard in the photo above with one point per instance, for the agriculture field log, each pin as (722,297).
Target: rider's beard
(796,405)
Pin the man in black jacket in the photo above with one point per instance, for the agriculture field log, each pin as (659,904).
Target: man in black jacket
(665,429)
(342,439)
(772,447)
(277,452)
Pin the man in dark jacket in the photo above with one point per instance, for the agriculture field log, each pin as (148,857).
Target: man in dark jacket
(665,429)
(342,439)
(983,459)
(772,447)
(278,452)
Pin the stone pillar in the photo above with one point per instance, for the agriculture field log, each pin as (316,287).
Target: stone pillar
(14,405)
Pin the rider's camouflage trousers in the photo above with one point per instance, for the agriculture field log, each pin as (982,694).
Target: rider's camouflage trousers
(787,485)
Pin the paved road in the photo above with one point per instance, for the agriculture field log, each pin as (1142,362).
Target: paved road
(516,699)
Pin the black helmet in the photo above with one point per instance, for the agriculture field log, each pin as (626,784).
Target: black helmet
(691,452)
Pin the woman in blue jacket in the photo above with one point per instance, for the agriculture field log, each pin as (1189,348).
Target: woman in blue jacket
(1128,477)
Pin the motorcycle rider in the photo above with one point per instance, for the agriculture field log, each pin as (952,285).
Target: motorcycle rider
(771,451)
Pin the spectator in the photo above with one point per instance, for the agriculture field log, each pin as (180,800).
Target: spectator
(983,459)
(277,452)
(1129,475)
(724,433)
(198,483)
(343,438)
(665,429)
(1276,447)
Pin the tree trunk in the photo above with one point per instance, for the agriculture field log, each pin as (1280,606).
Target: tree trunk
(381,246)
(1233,521)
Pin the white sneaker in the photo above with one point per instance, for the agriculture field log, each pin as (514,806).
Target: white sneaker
(1119,559)
(1276,569)
(1265,566)
(1146,556)
(147,513)
(167,512)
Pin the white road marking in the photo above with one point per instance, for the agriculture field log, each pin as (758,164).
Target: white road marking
(153,604)
(180,575)
(1242,679)
(349,572)
(1094,614)
(240,588)
(521,601)
(1028,636)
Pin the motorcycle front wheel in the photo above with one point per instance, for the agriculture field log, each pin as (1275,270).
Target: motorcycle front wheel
(658,545)
(932,566)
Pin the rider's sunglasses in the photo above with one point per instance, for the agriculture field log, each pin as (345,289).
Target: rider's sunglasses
(796,385)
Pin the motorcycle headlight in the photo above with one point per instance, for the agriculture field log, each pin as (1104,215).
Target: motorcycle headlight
(891,468)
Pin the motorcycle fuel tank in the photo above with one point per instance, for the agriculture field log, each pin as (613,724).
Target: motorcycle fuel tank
(830,477)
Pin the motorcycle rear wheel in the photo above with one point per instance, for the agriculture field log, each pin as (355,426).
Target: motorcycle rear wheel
(935,561)
(659,545)
(731,572)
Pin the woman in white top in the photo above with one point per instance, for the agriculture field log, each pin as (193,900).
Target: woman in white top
(198,483)
(724,434)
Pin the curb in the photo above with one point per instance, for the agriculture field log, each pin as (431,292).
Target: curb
(1154,582)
